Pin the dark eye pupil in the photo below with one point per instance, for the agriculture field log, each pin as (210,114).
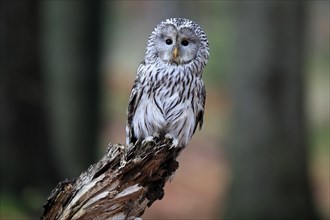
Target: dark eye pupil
(168,41)
(184,42)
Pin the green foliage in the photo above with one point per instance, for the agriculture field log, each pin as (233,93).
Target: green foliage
(12,208)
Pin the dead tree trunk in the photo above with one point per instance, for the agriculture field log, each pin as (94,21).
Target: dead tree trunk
(121,185)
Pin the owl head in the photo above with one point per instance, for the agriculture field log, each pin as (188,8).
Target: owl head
(177,41)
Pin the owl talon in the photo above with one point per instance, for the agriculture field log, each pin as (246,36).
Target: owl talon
(168,137)
(175,142)
(149,139)
(156,139)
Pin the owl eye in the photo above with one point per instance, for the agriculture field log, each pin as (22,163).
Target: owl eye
(184,43)
(168,41)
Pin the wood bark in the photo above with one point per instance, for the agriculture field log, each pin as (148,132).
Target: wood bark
(126,181)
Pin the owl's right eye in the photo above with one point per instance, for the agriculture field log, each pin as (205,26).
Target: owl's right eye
(168,41)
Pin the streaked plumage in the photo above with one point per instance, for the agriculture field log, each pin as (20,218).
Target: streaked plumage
(168,95)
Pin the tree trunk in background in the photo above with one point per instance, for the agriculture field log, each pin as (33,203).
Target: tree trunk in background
(24,133)
(70,40)
(268,148)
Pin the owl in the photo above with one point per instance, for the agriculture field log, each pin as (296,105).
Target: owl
(168,95)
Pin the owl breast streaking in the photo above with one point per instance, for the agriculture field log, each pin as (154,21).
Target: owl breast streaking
(168,95)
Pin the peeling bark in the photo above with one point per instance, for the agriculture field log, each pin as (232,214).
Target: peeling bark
(121,185)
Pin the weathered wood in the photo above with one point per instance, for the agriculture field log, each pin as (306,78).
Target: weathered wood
(121,185)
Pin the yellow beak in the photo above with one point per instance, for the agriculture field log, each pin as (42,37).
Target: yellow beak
(175,52)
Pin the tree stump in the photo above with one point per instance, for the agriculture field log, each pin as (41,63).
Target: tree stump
(121,185)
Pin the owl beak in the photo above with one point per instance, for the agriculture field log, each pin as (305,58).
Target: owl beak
(175,52)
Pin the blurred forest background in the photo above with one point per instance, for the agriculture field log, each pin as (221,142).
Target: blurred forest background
(67,68)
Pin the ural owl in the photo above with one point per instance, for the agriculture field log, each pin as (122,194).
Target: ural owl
(168,95)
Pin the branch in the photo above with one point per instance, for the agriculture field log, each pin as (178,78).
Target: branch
(121,185)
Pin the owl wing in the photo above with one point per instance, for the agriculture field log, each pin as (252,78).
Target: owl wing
(134,100)
(201,96)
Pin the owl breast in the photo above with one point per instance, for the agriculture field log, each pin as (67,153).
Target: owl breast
(167,104)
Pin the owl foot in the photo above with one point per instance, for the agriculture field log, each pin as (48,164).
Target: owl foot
(150,139)
(175,142)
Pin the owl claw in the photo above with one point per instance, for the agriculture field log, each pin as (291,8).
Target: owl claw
(155,137)
(175,142)
(149,139)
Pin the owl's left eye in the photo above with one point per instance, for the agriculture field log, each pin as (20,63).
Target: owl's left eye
(185,42)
